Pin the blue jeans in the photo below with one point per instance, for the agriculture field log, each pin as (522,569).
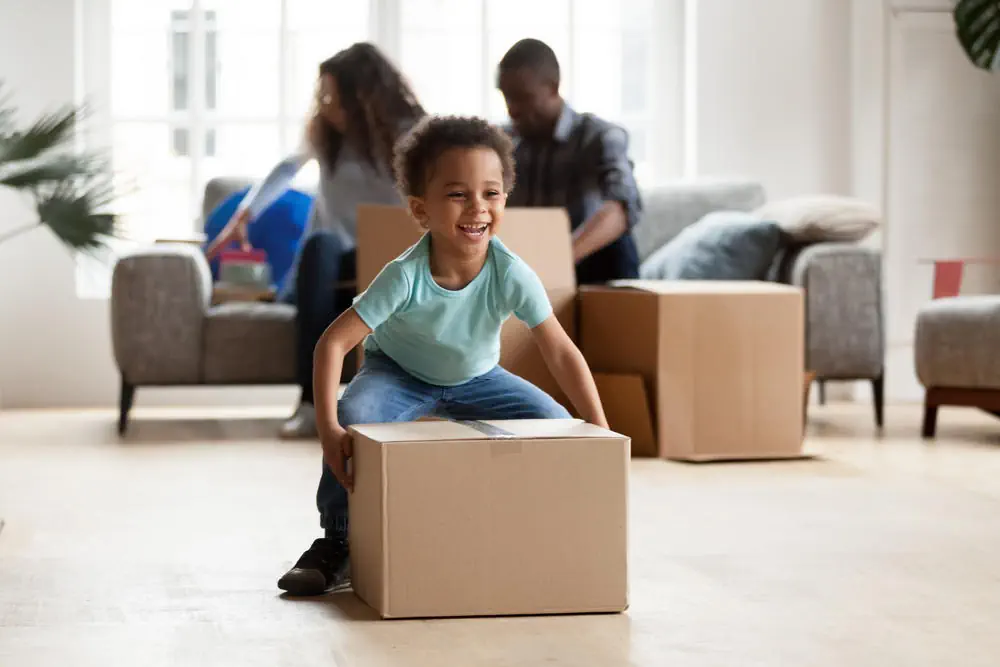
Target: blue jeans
(383,392)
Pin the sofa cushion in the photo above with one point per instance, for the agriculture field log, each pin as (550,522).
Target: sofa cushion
(822,218)
(668,209)
(248,342)
(724,245)
(956,342)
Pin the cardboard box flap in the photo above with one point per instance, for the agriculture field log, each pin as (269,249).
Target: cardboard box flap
(531,429)
(539,236)
(704,286)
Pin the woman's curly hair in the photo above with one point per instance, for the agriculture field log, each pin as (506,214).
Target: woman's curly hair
(377,100)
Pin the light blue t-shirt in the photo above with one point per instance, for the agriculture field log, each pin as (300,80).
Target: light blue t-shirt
(446,337)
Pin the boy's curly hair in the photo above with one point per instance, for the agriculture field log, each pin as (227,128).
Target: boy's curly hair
(418,150)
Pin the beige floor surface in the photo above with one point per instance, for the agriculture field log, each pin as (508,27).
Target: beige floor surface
(164,549)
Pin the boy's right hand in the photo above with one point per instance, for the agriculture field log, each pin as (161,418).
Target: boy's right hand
(336,452)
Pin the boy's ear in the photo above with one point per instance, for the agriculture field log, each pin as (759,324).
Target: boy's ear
(418,210)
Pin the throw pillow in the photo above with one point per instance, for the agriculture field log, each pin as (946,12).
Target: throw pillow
(277,231)
(723,245)
(823,218)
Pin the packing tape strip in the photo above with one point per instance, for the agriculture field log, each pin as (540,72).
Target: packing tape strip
(489,430)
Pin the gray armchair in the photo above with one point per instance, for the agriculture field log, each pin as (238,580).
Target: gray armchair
(166,332)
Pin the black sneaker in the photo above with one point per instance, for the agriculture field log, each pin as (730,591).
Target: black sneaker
(325,566)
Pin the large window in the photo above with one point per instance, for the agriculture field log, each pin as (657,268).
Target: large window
(182,76)
(449,48)
(187,90)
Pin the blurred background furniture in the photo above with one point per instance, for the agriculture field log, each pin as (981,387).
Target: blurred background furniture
(170,327)
(168,331)
(957,345)
(843,280)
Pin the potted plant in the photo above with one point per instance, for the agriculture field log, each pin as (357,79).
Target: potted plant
(70,190)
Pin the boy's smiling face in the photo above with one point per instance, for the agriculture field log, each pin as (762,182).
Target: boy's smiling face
(464,199)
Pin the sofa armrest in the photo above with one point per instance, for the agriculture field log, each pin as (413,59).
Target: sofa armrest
(845,335)
(159,299)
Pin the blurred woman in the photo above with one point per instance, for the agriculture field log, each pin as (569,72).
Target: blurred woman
(363,105)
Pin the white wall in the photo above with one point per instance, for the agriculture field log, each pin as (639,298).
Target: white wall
(773,93)
(55,349)
(46,330)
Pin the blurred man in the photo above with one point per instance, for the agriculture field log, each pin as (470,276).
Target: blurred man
(572,160)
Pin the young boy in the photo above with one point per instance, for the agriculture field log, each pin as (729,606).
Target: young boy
(430,322)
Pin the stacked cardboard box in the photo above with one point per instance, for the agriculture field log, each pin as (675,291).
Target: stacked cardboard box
(718,363)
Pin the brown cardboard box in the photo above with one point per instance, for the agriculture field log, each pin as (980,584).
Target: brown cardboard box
(539,236)
(720,362)
(489,518)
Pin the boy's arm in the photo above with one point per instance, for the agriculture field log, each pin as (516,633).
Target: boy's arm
(346,332)
(527,298)
(371,308)
(570,370)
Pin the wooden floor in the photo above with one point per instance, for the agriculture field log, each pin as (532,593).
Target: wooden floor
(164,550)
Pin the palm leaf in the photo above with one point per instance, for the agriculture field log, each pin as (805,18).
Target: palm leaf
(36,173)
(977,24)
(48,132)
(74,214)
(71,192)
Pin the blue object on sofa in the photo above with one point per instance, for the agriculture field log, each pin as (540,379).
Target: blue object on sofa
(723,245)
(277,231)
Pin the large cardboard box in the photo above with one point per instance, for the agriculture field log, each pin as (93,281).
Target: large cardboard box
(539,236)
(489,518)
(699,370)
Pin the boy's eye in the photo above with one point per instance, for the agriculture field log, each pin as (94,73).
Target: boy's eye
(456,193)
(491,194)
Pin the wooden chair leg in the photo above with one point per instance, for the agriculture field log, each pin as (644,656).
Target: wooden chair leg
(930,419)
(878,400)
(125,405)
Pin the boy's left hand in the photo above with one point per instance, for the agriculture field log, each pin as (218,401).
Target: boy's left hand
(337,450)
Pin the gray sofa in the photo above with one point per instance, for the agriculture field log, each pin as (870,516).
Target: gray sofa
(166,331)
